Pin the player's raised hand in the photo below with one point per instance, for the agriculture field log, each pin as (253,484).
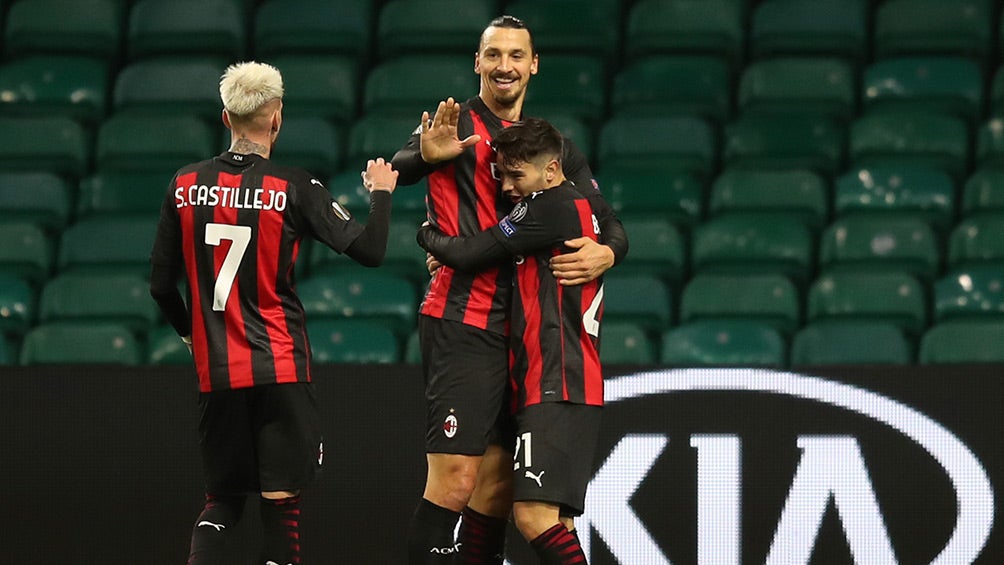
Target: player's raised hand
(439,140)
(379,175)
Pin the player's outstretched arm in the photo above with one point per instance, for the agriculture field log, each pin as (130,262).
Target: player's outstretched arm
(439,138)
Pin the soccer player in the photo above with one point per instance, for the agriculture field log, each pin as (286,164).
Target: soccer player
(464,315)
(232,226)
(554,339)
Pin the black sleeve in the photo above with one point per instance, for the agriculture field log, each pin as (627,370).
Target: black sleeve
(464,253)
(166,269)
(315,213)
(409,164)
(371,245)
(576,169)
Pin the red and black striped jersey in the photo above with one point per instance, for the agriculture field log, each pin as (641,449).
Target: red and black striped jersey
(233,224)
(464,198)
(554,342)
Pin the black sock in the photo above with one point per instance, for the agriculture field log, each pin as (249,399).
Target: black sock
(209,535)
(430,535)
(280,521)
(557,546)
(481,539)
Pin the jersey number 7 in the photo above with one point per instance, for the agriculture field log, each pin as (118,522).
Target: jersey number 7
(239,237)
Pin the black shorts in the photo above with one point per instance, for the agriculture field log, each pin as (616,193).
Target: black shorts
(556,444)
(466,373)
(260,439)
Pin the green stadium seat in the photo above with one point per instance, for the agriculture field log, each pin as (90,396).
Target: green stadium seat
(413,350)
(114,193)
(79,27)
(404,257)
(110,244)
(785,142)
(943,85)
(748,243)
(186,27)
(62,85)
(798,193)
(963,341)
(624,343)
(373,136)
(40,198)
(977,239)
(170,87)
(134,144)
(770,299)
(976,292)
(447,26)
(724,343)
(318,27)
(916,27)
(75,343)
(362,294)
(27,251)
(837,28)
(571,85)
(402,86)
(17,305)
(707,27)
(642,300)
(347,189)
(57,144)
(670,195)
(325,86)
(880,244)
(896,298)
(166,348)
(850,342)
(824,86)
(685,143)
(924,193)
(996,92)
(593,31)
(118,298)
(310,143)
(657,248)
(990,144)
(674,85)
(983,192)
(909,140)
(351,341)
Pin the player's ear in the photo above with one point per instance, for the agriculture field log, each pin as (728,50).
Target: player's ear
(226,119)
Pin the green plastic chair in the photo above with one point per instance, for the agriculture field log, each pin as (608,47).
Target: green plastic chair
(404,257)
(440,26)
(170,87)
(116,244)
(18,305)
(27,251)
(63,85)
(770,299)
(82,27)
(685,143)
(128,143)
(594,31)
(363,294)
(975,292)
(881,244)
(990,145)
(928,194)
(799,84)
(324,86)
(996,93)
(896,298)
(798,193)
(315,27)
(57,144)
(983,192)
(748,243)
(724,343)
(914,27)
(977,239)
(674,85)
(963,341)
(406,86)
(712,27)
(811,142)
(115,193)
(944,85)
(347,189)
(186,27)
(850,342)
(39,198)
(118,298)
(166,348)
(352,341)
(671,195)
(837,28)
(413,349)
(624,343)
(640,299)
(310,143)
(81,343)
(911,140)
(373,136)
(657,248)
(570,85)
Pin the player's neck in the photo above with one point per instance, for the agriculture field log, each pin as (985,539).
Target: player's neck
(246,146)
(508,113)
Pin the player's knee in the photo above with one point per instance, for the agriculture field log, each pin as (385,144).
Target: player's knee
(530,521)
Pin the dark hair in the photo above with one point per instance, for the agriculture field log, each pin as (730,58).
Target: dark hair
(510,22)
(524,141)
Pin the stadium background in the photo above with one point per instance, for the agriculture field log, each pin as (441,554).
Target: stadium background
(805,183)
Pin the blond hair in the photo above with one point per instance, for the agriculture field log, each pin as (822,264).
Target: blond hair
(246,87)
